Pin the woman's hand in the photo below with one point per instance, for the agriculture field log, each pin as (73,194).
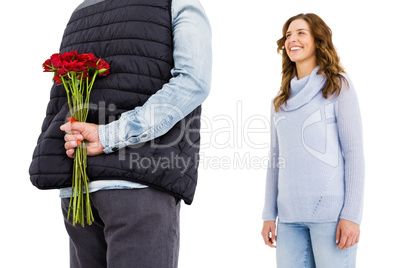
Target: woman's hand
(347,234)
(79,131)
(269,233)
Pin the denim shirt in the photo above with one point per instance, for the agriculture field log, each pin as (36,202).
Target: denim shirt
(186,90)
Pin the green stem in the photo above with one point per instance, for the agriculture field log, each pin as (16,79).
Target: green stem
(89,89)
(79,107)
(68,95)
(74,188)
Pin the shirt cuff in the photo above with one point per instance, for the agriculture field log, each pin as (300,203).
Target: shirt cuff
(109,137)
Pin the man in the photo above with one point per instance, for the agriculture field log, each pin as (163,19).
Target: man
(142,134)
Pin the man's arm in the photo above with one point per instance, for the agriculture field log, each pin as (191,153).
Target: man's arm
(184,92)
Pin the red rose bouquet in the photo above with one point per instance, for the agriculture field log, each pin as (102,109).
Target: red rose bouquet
(77,72)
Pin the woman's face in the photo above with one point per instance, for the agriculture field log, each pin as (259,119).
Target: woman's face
(299,44)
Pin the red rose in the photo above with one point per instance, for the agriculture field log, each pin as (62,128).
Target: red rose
(61,71)
(88,59)
(55,60)
(57,78)
(69,56)
(74,66)
(47,66)
(103,68)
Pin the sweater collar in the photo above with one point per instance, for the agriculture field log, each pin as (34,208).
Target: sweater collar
(304,90)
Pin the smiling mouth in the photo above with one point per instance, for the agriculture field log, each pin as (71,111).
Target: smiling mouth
(295,48)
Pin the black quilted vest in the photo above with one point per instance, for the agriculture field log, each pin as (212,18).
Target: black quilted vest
(135,38)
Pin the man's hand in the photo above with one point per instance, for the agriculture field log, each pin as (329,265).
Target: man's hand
(347,234)
(269,233)
(79,131)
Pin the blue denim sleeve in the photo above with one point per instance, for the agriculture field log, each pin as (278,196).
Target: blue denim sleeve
(186,90)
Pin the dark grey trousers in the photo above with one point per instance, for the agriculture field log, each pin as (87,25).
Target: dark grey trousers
(133,228)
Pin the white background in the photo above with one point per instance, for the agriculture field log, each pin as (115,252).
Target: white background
(222,227)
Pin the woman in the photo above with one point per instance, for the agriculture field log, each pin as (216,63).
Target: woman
(316,131)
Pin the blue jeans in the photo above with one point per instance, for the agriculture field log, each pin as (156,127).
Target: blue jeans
(311,245)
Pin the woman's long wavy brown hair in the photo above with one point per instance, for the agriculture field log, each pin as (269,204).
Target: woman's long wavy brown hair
(326,56)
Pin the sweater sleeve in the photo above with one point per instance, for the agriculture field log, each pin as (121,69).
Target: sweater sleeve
(350,137)
(270,211)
